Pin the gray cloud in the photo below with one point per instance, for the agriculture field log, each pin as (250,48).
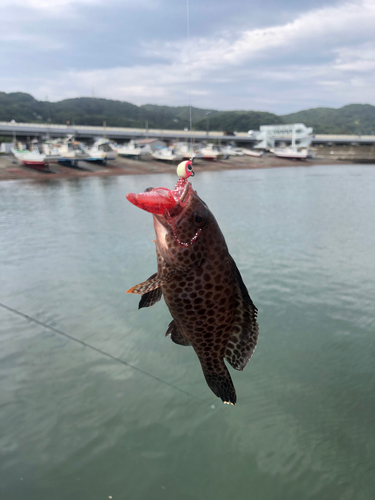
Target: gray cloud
(242,55)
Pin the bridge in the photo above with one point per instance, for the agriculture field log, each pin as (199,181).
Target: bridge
(280,134)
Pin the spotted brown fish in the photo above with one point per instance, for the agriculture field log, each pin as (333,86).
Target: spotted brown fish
(202,287)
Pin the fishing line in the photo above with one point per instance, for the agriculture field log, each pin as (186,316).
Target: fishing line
(96,349)
(189,73)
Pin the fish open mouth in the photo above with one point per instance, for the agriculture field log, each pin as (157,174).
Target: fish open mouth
(161,200)
(165,205)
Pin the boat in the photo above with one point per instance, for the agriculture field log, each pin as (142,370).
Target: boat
(129,150)
(51,150)
(251,152)
(291,153)
(102,150)
(71,151)
(212,152)
(228,151)
(188,151)
(238,152)
(166,154)
(33,159)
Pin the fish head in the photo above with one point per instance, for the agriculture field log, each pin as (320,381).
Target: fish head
(186,230)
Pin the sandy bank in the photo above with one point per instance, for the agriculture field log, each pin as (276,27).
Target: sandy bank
(11,169)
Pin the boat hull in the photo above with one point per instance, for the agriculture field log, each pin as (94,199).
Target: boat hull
(291,153)
(249,152)
(37,165)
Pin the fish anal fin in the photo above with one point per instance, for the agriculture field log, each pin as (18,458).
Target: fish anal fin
(220,383)
(152,283)
(176,334)
(150,298)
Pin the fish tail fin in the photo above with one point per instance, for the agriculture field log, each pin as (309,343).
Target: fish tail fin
(220,383)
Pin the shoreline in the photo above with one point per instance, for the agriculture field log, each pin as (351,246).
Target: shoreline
(11,169)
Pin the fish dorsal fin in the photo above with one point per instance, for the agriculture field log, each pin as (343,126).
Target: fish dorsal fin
(176,334)
(152,283)
(244,337)
(150,298)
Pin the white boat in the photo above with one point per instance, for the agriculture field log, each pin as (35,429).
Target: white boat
(189,151)
(229,151)
(166,154)
(212,152)
(71,150)
(51,150)
(102,150)
(33,159)
(291,153)
(129,150)
(251,152)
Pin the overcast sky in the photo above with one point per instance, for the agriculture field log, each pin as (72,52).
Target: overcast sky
(262,55)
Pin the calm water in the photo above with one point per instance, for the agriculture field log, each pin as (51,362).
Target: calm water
(77,425)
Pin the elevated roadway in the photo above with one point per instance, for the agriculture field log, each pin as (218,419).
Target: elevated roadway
(22,130)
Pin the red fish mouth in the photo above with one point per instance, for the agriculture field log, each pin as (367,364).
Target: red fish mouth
(161,200)
(166,205)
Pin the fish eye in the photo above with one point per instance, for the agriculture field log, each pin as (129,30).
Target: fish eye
(198,219)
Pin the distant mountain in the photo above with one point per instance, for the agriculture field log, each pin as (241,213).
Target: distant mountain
(93,111)
(239,121)
(21,107)
(351,119)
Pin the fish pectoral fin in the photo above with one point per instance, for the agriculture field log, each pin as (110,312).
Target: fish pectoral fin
(150,298)
(152,283)
(177,336)
(220,382)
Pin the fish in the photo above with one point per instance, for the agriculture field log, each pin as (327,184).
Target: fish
(202,287)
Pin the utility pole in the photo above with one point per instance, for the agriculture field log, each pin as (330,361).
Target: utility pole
(207,122)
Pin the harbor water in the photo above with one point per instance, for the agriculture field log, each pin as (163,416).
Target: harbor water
(76,424)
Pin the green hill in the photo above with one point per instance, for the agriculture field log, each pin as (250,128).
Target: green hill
(351,119)
(21,107)
(239,121)
(93,111)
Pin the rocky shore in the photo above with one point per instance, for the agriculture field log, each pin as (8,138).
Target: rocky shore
(11,169)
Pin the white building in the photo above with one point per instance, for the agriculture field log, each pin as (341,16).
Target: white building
(5,147)
(296,133)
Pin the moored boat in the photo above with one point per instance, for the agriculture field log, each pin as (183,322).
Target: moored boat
(71,151)
(129,150)
(166,154)
(251,152)
(189,151)
(102,150)
(291,153)
(32,159)
(51,150)
(212,152)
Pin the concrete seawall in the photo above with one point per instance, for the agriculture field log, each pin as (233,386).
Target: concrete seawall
(346,153)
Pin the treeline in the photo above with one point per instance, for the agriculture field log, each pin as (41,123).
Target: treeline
(24,108)
(21,107)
